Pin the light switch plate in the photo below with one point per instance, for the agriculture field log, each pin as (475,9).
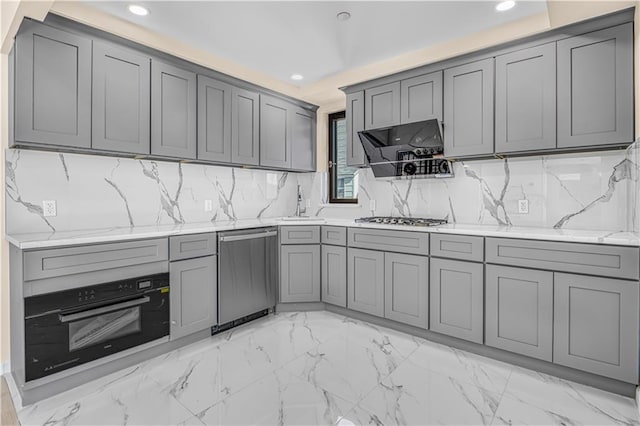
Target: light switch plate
(208,205)
(372,205)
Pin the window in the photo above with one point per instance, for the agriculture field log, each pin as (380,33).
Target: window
(343,180)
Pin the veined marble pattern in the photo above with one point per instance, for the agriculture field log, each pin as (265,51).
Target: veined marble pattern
(318,368)
(594,191)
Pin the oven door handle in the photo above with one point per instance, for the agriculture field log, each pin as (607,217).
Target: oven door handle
(104,309)
(229,238)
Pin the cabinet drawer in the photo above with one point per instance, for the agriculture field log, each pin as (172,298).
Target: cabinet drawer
(41,264)
(190,246)
(300,235)
(461,247)
(386,240)
(336,235)
(592,259)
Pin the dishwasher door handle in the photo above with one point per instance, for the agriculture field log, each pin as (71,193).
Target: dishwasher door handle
(229,238)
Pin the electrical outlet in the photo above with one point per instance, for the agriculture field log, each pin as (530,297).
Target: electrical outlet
(372,205)
(307,203)
(523,206)
(208,205)
(49,208)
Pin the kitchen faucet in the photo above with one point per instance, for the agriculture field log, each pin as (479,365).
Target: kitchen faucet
(299,209)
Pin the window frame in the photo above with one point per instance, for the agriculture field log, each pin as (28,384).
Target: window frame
(330,165)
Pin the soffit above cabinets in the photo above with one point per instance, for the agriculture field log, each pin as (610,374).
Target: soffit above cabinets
(304,37)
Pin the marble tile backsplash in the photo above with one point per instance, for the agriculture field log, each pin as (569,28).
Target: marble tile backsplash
(573,191)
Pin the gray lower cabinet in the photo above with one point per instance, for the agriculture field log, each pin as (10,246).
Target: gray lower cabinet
(245,127)
(120,114)
(173,111)
(526,100)
(355,123)
(193,300)
(519,311)
(382,106)
(456,296)
(303,143)
(365,281)
(300,273)
(214,120)
(468,109)
(52,87)
(421,98)
(334,275)
(406,289)
(595,88)
(275,132)
(596,325)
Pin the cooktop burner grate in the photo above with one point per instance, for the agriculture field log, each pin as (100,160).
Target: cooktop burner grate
(409,221)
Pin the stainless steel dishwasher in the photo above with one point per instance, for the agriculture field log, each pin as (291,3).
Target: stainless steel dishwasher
(247,274)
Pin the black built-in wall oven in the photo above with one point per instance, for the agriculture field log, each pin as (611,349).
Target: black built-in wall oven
(72,327)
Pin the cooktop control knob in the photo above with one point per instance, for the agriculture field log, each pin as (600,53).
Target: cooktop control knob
(410,168)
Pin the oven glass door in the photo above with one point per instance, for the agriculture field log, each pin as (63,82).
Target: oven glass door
(61,340)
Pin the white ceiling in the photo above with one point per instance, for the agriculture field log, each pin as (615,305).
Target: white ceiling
(286,37)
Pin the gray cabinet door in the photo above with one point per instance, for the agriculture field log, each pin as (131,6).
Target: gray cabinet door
(52,87)
(456,294)
(193,301)
(595,88)
(300,273)
(334,275)
(355,123)
(365,281)
(596,325)
(519,311)
(120,114)
(275,132)
(245,127)
(406,289)
(421,98)
(214,120)
(526,99)
(173,111)
(468,109)
(382,106)
(303,141)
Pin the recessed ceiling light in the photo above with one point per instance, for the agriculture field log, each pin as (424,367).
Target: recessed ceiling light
(138,10)
(505,5)
(343,16)
(296,77)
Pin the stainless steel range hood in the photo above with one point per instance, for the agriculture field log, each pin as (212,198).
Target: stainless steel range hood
(407,150)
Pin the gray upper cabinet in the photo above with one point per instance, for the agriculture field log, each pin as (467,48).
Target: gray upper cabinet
(121,100)
(468,109)
(406,289)
(334,275)
(303,143)
(245,127)
(300,273)
(275,132)
(355,124)
(52,87)
(526,100)
(456,294)
(173,111)
(382,106)
(596,325)
(519,311)
(214,120)
(193,301)
(421,98)
(595,88)
(365,281)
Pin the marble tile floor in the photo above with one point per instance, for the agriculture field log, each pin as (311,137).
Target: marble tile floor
(318,368)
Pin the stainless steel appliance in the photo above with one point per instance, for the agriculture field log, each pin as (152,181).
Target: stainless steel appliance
(407,150)
(408,221)
(72,327)
(247,274)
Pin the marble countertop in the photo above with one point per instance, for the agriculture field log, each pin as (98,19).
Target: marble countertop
(67,238)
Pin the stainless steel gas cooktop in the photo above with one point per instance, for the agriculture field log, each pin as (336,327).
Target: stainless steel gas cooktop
(409,221)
